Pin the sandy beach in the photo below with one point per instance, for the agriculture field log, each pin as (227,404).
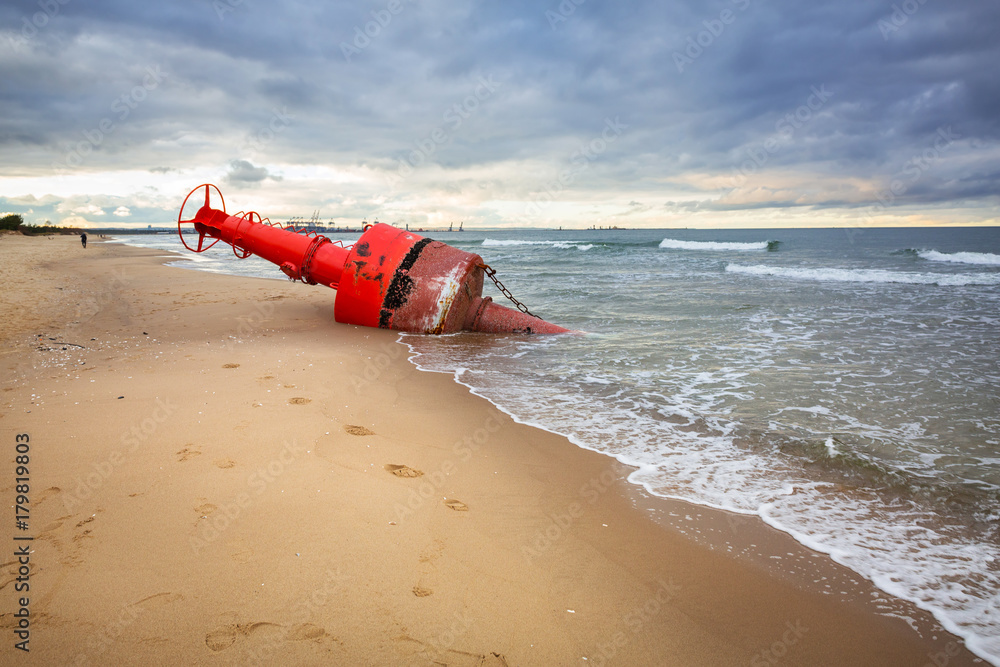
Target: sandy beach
(221,474)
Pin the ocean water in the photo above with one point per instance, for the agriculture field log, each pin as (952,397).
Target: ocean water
(843,385)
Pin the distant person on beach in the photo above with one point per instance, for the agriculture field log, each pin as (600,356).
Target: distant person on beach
(83,239)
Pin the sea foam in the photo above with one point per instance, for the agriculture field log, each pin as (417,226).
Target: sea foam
(867,275)
(555,244)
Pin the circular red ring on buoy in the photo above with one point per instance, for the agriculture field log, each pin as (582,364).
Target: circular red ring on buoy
(194,221)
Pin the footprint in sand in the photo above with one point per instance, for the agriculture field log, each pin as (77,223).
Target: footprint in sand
(221,638)
(86,533)
(422,592)
(304,631)
(457,505)
(298,400)
(225,636)
(224,463)
(158,600)
(230,365)
(244,556)
(54,525)
(205,509)
(351,429)
(46,494)
(189,451)
(433,552)
(492,659)
(403,471)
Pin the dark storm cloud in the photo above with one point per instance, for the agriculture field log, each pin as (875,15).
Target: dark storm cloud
(243,174)
(734,88)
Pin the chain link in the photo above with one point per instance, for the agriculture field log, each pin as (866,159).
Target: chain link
(492,274)
(305,271)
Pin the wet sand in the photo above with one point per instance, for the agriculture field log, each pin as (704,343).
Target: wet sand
(221,474)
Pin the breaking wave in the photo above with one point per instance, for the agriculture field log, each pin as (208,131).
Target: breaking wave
(674,244)
(986,258)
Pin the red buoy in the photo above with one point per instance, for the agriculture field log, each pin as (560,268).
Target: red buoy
(390,278)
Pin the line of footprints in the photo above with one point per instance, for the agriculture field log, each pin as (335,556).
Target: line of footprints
(226,635)
(407,471)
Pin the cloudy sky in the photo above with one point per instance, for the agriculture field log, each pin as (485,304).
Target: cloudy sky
(637,113)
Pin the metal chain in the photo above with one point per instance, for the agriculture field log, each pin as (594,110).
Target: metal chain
(492,274)
(305,271)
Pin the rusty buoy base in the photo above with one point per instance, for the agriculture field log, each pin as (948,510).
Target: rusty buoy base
(491,317)
(397,280)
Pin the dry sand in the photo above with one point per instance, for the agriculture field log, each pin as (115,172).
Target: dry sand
(221,474)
